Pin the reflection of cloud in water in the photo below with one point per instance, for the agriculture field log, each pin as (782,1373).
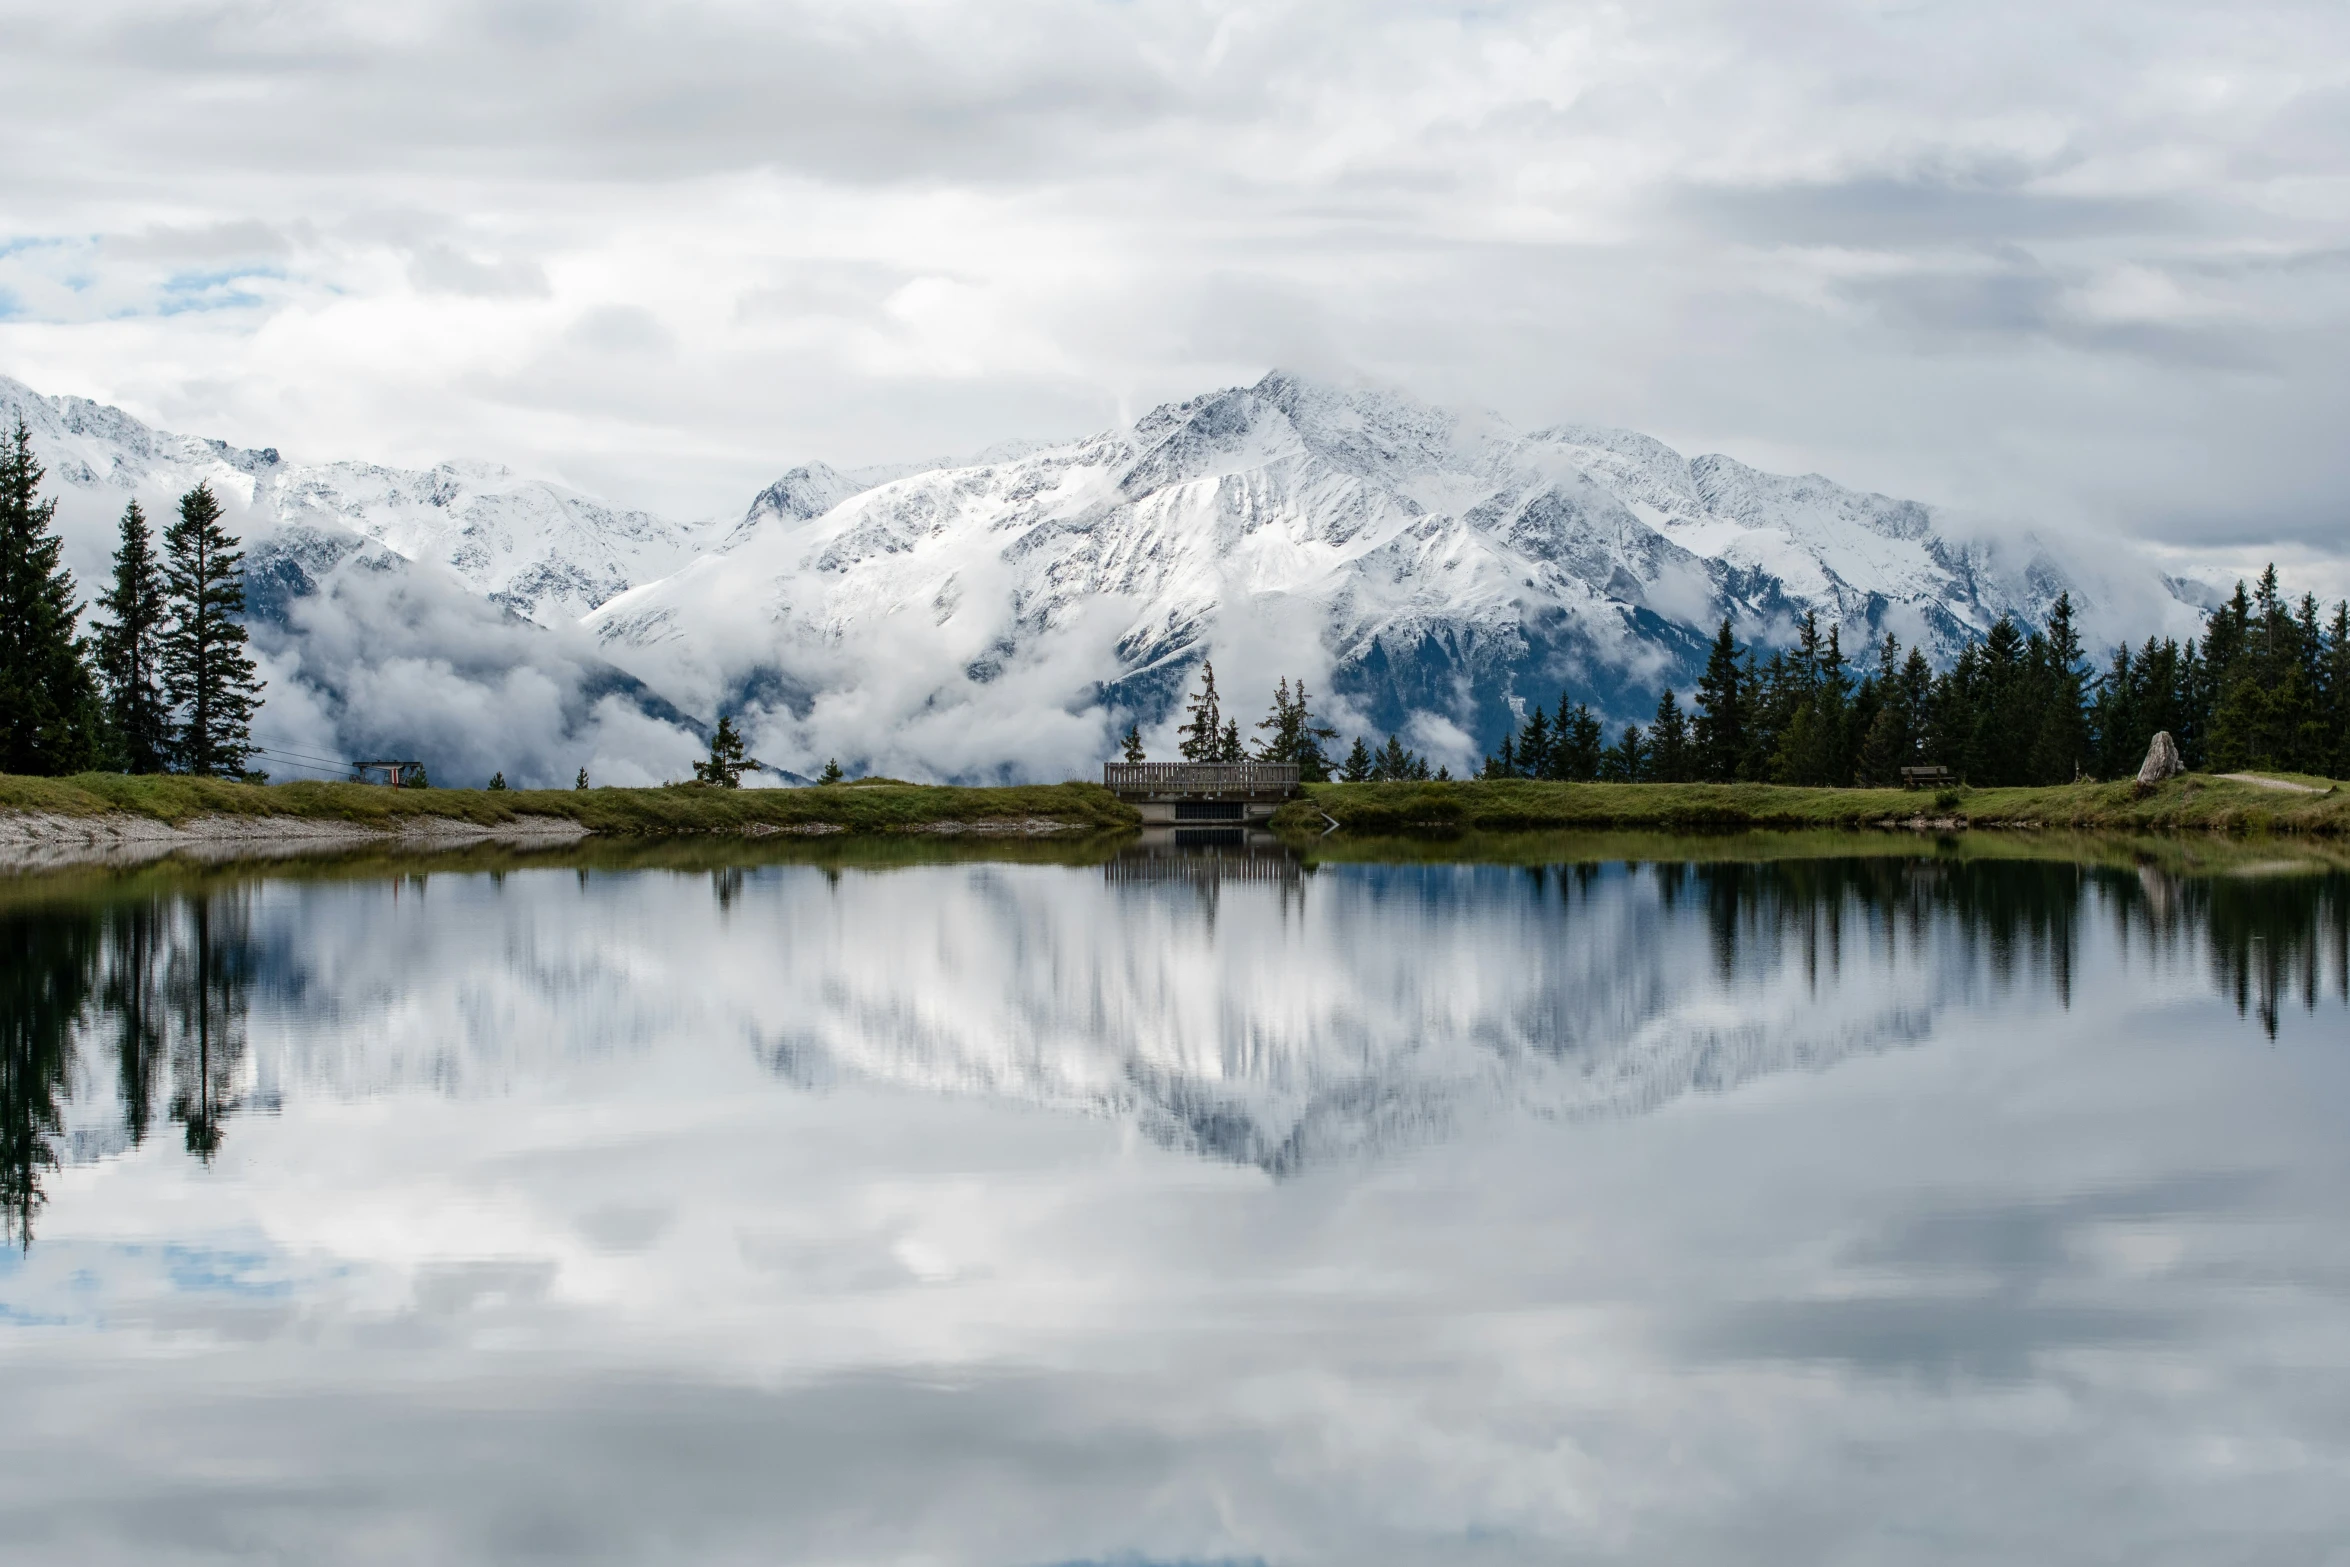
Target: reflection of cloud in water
(537,1258)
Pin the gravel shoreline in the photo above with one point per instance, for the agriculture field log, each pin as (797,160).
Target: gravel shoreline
(36,840)
(47,840)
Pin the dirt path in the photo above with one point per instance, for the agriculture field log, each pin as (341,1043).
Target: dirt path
(2259,782)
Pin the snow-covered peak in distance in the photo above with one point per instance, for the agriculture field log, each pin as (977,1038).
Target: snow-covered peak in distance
(1429,571)
(546,552)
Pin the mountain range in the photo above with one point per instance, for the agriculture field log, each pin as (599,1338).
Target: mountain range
(1430,572)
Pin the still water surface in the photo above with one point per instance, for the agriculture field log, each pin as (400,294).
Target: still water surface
(1179,1209)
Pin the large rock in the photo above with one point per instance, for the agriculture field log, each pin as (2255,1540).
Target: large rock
(2162,760)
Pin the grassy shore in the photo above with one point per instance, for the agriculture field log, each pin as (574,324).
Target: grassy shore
(2193,803)
(860,808)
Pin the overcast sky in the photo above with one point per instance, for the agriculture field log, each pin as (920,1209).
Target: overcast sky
(2082,263)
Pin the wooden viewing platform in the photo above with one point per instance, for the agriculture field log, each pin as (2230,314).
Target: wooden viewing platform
(1167,792)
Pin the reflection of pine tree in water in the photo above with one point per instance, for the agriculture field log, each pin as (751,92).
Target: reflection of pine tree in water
(209,981)
(2269,939)
(133,1006)
(46,965)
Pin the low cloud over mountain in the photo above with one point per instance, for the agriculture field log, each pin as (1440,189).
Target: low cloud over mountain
(1427,570)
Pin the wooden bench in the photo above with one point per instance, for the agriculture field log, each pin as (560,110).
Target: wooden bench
(1926,777)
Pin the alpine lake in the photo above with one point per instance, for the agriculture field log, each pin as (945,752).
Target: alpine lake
(1811,1199)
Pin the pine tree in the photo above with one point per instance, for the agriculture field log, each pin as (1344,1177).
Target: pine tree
(2337,705)
(1297,735)
(1580,741)
(1228,746)
(1719,733)
(1359,765)
(207,673)
(1668,742)
(49,713)
(580,783)
(497,783)
(1394,763)
(832,773)
(2060,750)
(727,763)
(130,653)
(1131,746)
(1627,760)
(1536,752)
(1201,738)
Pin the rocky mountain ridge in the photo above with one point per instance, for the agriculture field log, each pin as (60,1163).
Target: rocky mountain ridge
(1430,571)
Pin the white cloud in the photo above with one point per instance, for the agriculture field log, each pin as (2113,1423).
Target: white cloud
(2078,263)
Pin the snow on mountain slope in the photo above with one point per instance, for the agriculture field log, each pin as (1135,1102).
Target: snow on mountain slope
(1431,572)
(545,552)
(386,606)
(1428,572)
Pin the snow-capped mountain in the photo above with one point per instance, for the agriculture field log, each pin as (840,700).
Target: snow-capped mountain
(1429,572)
(393,610)
(548,553)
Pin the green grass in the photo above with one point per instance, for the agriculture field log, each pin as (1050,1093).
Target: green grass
(2182,854)
(2194,803)
(872,808)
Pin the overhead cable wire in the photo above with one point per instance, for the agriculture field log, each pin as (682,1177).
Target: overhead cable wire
(303,756)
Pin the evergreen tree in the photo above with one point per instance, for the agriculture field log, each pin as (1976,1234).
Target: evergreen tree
(1297,735)
(1396,764)
(2337,691)
(497,783)
(1898,731)
(2060,749)
(49,715)
(1627,760)
(1131,747)
(1670,759)
(832,773)
(1719,733)
(1503,764)
(1579,744)
(580,783)
(1813,748)
(207,673)
(728,762)
(1228,746)
(130,653)
(1359,764)
(1201,739)
(1537,752)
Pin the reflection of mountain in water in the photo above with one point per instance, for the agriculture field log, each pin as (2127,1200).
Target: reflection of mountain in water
(1231,1005)
(1232,1002)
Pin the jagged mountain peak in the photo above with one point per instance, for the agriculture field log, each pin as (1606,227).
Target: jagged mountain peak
(1429,570)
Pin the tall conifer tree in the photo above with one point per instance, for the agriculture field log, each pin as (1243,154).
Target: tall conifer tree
(206,671)
(130,653)
(48,703)
(1201,738)
(1719,733)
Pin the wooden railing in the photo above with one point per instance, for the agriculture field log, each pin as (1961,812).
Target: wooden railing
(1201,780)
